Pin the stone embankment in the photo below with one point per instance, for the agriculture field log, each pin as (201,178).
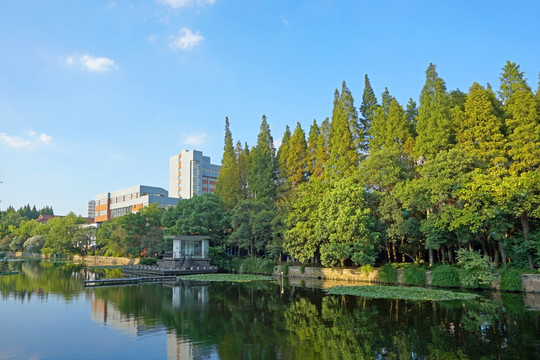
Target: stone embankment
(89,260)
(334,276)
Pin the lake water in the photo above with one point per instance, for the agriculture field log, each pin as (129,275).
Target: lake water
(46,313)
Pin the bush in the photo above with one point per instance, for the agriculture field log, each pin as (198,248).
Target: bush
(258,266)
(17,244)
(388,274)
(302,268)
(219,258)
(366,269)
(446,276)
(477,269)
(285,268)
(148,261)
(510,279)
(414,275)
(47,251)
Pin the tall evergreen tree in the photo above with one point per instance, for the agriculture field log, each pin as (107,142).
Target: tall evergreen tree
(296,161)
(262,165)
(311,156)
(228,184)
(412,113)
(282,158)
(323,150)
(242,159)
(480,133)
(434,125)
(512,80)
(343,158)
(367,110)
(523,131)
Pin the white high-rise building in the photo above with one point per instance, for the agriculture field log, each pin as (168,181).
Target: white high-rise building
(190,174)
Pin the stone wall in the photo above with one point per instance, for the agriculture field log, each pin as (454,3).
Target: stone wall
(530,282)
(107,260)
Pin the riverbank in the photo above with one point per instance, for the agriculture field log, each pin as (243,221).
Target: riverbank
(89,260)
(530,282)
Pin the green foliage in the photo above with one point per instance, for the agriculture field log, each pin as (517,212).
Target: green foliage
(258,266)
(478,269)
(446,276)
(510,279)
(34,244)
(218,257)
(47,251)
(148,261)
(228,182)
(400,292)
(366,269)
(303,268)
(388,274)
(226,277)
(200,215)
(414,275)
(262,169)
(284,268)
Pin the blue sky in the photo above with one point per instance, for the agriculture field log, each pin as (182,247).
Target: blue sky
(95,96)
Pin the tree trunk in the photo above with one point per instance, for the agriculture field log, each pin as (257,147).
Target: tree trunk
(450,255)
(443,255)
(525,225)
(388,254)
(430,256)
(503,253)
(394,251)
(496,259)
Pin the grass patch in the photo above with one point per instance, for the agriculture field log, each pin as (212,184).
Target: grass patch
(510,279)
(226,277)
(400,292)
(414,275)
(258,266)
(446,276)
(388,274)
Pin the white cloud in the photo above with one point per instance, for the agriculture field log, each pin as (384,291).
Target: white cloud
(283,20)
(92,63)
(194,139)
(29,142)
(151,38)
(186,40)
(175,4)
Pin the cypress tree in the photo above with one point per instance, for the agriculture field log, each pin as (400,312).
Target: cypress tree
(480,132)
(343,151)
(262,165)
(242,159)
(524,131)
(412,113)
(311,156)
(512,80)
(228,185)
(296,161)
(434,125)
(367,110)
(323,150)
(282,156)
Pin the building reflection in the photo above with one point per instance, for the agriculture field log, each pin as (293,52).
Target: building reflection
(185,297)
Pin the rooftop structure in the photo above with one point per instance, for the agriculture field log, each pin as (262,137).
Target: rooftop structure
(130,200)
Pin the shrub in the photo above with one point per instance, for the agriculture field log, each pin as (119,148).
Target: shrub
(148,261)
(17,244)
(219,258)
(47,251)
(510,279)
(285,268)
(477,269)
(388,274)
(414,275)
(446,276)
(302,268)
(366,269)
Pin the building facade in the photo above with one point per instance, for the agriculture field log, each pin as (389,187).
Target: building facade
(92,209)
(191,174)
(117,203)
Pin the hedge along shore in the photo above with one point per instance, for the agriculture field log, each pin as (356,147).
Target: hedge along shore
(530,283)
(89,260)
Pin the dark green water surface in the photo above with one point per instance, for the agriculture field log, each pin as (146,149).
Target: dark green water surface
(46,313)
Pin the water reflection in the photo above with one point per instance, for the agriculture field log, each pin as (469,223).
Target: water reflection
(265,320)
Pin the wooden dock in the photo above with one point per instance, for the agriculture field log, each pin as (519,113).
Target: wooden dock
(129,280)
(157,271)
